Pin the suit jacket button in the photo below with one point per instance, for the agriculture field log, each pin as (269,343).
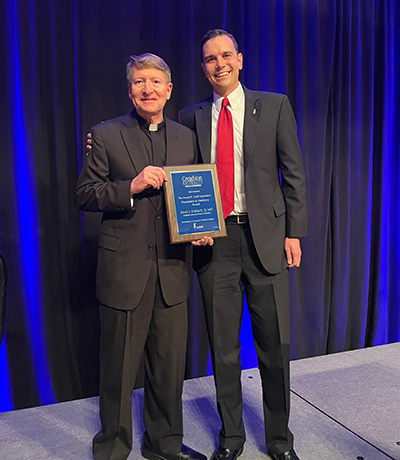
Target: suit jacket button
(151,247)
(158,216)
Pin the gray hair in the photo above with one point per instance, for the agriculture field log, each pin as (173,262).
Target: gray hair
(147,60)
(217,33)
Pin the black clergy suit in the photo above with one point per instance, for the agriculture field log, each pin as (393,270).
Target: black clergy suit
(142,286)
(253,256)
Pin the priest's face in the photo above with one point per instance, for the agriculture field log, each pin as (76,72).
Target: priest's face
(149,92)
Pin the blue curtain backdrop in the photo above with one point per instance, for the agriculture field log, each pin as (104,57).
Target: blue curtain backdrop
(63,71)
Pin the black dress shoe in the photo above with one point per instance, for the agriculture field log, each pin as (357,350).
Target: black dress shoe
(186,453)
(288,455)
(226,454)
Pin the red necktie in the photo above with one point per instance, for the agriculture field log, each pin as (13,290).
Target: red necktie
(225,160)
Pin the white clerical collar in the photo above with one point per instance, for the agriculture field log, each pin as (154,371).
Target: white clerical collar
(152,127)
(234,98)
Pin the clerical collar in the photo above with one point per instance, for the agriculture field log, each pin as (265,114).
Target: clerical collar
(149,126)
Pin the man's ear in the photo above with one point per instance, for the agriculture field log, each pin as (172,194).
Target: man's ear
(169,90)
(240,61)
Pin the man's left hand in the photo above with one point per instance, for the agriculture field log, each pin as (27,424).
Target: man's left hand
(293,252)
(204,241)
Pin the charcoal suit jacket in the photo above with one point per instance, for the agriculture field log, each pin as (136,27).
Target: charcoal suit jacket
(273,172)
(132,238)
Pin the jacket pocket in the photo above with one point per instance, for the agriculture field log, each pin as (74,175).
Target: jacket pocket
(109,242)
(279,207)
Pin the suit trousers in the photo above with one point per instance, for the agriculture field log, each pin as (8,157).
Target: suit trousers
(231,268)
(158,333)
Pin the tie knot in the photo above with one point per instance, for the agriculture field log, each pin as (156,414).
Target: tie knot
(225,102)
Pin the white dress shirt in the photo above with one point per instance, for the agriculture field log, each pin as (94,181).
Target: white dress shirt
(236,107)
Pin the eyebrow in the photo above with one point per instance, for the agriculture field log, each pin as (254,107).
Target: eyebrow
(228,51)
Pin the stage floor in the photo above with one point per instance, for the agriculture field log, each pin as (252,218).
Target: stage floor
(345,406)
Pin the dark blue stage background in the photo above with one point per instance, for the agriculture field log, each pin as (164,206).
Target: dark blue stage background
(63,71)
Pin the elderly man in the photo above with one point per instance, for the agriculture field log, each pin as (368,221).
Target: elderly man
(252,136)
(142,280)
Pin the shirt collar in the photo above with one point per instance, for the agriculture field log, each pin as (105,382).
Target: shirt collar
(146,125)
(234,98)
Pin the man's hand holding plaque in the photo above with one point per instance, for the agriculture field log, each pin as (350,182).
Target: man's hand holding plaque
(156,177)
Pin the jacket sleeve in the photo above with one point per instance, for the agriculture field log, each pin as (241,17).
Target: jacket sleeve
(292,172)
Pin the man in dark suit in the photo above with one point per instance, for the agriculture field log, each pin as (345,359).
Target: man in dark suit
(142,280)
(265,220)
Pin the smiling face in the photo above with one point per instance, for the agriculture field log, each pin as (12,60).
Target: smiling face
(221,64)
(149,92)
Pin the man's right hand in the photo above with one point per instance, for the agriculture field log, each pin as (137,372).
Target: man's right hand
(89,141)
(151,176)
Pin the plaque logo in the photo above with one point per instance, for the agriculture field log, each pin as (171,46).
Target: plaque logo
(192,181)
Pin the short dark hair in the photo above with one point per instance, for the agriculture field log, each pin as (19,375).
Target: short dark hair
(147,60)
(217,33)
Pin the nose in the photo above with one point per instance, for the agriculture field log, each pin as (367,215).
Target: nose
(148,88)
(220,62)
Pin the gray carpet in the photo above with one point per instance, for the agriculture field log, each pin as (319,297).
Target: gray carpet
(344,407)
(358,389)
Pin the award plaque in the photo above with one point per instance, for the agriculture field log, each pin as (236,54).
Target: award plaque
(193,200)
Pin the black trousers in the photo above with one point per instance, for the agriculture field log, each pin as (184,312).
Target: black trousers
(232,268)
(159,333)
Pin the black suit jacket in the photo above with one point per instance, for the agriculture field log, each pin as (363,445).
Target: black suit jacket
(131,238)
(273,170)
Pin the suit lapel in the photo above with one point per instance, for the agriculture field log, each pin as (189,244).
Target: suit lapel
(173,146)
(130,132)
(203,129)
(252,113)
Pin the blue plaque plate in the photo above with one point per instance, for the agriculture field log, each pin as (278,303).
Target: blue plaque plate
(193,203)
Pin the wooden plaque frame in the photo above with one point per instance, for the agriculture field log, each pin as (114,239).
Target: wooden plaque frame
(192,215)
